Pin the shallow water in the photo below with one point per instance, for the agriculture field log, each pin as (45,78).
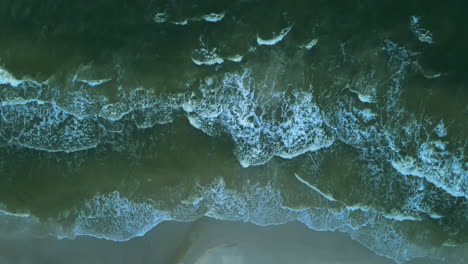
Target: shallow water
(346,117)
(198,242)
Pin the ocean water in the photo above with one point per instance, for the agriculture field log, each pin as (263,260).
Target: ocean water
(350,116)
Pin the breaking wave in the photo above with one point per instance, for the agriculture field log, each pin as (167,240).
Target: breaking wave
(324,132)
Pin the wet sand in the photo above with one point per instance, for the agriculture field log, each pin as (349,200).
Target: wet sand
(205,241)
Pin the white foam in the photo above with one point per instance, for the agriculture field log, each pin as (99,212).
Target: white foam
(181,22)
(433,76)
(439,167)
(49,128)
(440,129)
(365,98)
(269,42)
(160,17)
(232,107)
(422,34)
(95,82)
(367,115)
(311,44)
(22,101)
(22,215)
(114,112)
(236,58)
(436,216)
(206,56)
(327,196)
(450,243)
(209,60)
(114,217)
(402,217)
(6,78)
(360,207)
(213,17)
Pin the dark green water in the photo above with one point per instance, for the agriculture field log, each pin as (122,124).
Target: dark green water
(343,115)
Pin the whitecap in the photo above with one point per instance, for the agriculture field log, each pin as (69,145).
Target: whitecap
(160,17)
(114,217)
(94,83)
(236,58)
(311,44)
(213,17)
(269,42)
(205,56)
(6,78)
(327,196)
(180,22)
(441,130)
(401,217)
(422,34)
(209,61)
(365,98)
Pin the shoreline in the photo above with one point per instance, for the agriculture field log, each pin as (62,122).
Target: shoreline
(205,241)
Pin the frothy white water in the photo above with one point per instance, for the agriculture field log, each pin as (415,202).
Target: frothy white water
(95,82)
(7,78)
(209,59)
(236,58)
(257,137)
(183,22)
(161,17)
(231,103)
(276,39)
(311,44)
(206,56)
(329,197)
(213,17)
(438,166)
(263,122)
(421,33)
(114,217)
(365,98)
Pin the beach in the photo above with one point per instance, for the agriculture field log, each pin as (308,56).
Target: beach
(205,241)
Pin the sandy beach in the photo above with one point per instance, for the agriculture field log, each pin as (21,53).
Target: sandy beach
(205,241)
